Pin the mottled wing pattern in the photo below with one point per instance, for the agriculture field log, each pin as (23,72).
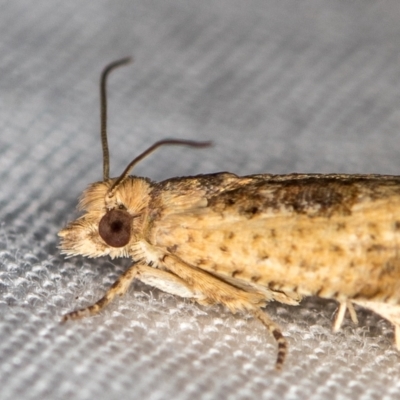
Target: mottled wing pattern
(289,234)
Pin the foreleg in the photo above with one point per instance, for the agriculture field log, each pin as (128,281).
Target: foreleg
(152,276)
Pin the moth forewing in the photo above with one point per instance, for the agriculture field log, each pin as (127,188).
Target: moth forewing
(245,241)
(343,249)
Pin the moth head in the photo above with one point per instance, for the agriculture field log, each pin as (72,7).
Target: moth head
(109,225)
(115,210)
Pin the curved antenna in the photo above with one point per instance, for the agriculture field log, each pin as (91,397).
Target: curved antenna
(165,142)
(103,115)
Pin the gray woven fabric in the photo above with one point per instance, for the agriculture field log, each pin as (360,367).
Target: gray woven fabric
(279,86)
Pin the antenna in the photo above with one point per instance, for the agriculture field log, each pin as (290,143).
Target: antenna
(103,133)
(165,142)
(103,115)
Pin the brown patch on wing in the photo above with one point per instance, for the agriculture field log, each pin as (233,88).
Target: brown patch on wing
(310,195)
(236,272)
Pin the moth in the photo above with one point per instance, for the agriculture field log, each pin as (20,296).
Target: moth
(244,241)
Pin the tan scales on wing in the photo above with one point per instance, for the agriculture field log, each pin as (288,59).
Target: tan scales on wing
(310,250)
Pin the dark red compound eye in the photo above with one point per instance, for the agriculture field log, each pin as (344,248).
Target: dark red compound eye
(115,228)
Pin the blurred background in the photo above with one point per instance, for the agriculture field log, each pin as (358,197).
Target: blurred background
(279,86)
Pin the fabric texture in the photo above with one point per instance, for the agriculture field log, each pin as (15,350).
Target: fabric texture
(279,86)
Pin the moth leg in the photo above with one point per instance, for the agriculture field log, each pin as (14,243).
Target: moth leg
(343,306)
(352,312)
(166,282)
(119,287)
(211,290)
(218,291)
(276,333)
(339,316)
(155,277)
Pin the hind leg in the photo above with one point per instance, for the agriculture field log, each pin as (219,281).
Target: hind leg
(343,306)
(276,333)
